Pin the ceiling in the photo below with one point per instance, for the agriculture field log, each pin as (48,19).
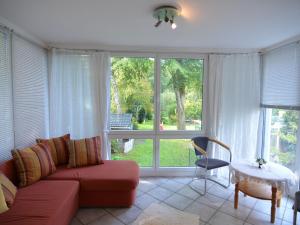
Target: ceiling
(205,24)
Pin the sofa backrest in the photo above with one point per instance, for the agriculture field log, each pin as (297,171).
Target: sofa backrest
(8,168)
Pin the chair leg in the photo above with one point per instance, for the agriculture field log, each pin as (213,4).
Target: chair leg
(205,182)
(198,178)
(295,212)
(205,177)
(223,185)
(295,217)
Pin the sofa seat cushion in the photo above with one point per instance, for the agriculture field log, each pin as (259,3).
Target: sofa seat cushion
(43,203)
(112,175)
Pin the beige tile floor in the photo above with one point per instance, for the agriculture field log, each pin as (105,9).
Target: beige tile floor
(215,208)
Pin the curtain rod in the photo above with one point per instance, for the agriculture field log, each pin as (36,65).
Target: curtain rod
(152,52)
(12,31)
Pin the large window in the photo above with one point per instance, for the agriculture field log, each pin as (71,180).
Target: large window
(283,136)
(156,107)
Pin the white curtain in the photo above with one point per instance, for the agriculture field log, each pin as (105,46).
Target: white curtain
(79,94)
(234,103)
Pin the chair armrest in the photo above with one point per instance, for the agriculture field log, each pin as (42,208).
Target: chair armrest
(199,149)
(223,145)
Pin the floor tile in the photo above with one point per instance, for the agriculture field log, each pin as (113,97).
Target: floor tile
(188,192)
(126,215)
(172,185)
(107,220)
(202,210)
(264,206)
(211,200)
(259,218)
(139,193)
(289,215)
(286,223)
(223,219)
(155,180)
(87,215)
(290,203)
(220,191)
(160,193)
(178,201)
(144,201)
(199,185)
(241,213)
(146,186)
(245,201)
(75,221)
(182,180)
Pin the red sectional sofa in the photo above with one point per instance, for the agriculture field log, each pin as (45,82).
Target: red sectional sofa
(56,199)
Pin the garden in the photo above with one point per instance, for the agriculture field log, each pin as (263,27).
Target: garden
(133,92)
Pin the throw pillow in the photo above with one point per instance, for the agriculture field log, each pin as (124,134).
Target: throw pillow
(85,152)
(33,163)
(3,206)
(9,189)
(58,148)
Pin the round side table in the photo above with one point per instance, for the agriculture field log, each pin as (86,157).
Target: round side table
(266,183)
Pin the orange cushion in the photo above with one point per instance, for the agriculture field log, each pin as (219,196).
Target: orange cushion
(85,152)
(43,203)
(112,175)
(33,163)
(8,188)
(58,148)
(3,205)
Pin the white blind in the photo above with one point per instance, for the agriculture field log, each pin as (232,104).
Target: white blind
(6,110)
(30,91)
(281,78)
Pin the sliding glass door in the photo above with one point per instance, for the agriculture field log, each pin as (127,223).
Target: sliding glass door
(156,107)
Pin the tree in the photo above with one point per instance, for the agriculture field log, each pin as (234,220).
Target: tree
(182,74)
(131,89)
(289,130)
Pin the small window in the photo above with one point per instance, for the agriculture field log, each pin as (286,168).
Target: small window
(283,136)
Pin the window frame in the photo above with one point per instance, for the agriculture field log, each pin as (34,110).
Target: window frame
(156,134)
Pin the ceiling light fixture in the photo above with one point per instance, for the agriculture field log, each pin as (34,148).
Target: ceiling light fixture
(166,13)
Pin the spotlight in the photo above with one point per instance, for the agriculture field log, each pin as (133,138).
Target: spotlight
(168,13)
(173,26)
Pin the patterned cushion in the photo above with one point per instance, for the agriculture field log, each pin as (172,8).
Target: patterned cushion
(85,152)
(58,148)
(3,206)
(33,163)
(9,189)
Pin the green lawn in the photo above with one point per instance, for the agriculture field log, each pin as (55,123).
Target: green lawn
(173,153)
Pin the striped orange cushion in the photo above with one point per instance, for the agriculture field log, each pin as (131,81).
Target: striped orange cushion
(3,205)
(58,148)
(85,152)
(9,190)
(33,163)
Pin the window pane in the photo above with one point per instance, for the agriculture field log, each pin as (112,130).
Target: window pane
(284,126)
(181,94)
(176,153)
(139,150)
(132,93)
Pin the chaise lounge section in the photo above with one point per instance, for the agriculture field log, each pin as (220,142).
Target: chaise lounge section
(56,199)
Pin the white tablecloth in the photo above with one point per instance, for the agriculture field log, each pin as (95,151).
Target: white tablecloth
(271,173)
